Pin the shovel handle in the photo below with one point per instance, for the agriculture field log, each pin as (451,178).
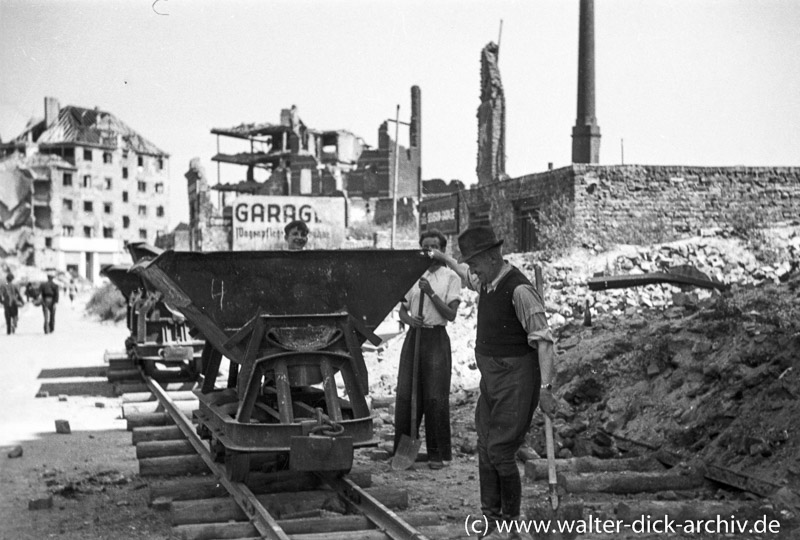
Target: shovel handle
(415,370)
(551,461)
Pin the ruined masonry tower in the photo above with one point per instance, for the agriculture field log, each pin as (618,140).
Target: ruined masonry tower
(586,133)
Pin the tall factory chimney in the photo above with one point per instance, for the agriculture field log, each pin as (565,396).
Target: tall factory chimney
(415,136)
(586,133)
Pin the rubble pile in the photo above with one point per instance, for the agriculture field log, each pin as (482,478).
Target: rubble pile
(719,382)
(567,293)
(727,261)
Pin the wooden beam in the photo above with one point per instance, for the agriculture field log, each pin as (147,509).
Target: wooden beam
(327,525)
(156,433)
(259,483)
(537,469)
(153,449)
(629,482)
(173,466)
(220,510)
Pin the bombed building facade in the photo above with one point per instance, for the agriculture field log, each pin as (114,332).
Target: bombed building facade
(76,186)
(291,159)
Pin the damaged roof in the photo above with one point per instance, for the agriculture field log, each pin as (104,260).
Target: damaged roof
(245,131)
(88,127)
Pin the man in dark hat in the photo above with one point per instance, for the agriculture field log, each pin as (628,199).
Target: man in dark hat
(296,235)
(11,299)
(514,353)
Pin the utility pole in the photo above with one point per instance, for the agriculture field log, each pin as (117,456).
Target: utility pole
(396,176)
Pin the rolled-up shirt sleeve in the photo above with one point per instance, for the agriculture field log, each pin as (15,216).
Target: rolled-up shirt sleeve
(529,308)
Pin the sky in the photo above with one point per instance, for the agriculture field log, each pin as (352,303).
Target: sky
(678,82)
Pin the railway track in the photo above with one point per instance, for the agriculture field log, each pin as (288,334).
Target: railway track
(321,506)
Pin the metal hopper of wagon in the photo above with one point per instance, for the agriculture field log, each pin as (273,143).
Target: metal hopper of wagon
(290,322)
(159,340)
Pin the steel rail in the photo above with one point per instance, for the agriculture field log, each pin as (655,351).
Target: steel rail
(265,524)
(384,519)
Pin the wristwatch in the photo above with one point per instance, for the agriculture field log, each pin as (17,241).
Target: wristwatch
(547,386)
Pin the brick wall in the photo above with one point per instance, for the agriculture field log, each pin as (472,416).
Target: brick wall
(639,204)
(507,205)
(635,204)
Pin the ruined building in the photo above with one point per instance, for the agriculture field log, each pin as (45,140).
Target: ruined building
(292,159)
(491,119)
(76,186)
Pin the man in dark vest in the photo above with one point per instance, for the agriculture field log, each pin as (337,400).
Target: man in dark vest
(514,353)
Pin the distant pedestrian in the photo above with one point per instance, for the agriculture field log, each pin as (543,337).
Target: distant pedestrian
(73,290)
(48,292)
(11,299)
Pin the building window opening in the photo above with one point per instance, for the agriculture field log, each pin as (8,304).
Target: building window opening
(67,204)
(140,161)
(159,187)
(48,242)
(107,157)
(67,230)
(143,234)
(87,181)
(88,232)
(108,182)
(87,154)
(126,222)
(125,172)
(160,211)
(124,196)
(107,208)
(142,210)
(88,206)
(67,179)
(142,186)
(108,232)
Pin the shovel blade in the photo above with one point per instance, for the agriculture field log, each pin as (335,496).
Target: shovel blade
(406,453)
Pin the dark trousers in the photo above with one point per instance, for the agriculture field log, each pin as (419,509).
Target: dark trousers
(49,310)
(433,391)
(11,313)
(509,396)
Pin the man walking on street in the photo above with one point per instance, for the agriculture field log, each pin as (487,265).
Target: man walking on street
(49,295)
(11,299)
(514,353)
(439,290)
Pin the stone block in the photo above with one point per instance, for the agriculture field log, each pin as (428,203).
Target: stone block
(42,503)
(62,426)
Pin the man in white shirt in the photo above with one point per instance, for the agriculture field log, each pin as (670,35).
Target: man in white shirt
(440,291)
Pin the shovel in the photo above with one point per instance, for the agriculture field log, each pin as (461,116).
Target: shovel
(408,447)
(551,462)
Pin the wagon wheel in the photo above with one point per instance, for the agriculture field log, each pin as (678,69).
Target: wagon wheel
(237,465)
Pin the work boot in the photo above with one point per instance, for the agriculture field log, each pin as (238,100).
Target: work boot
(496,535)
(490,493)
(511,495)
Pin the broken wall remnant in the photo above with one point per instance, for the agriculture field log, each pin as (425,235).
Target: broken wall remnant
(491,119)
(207,231)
